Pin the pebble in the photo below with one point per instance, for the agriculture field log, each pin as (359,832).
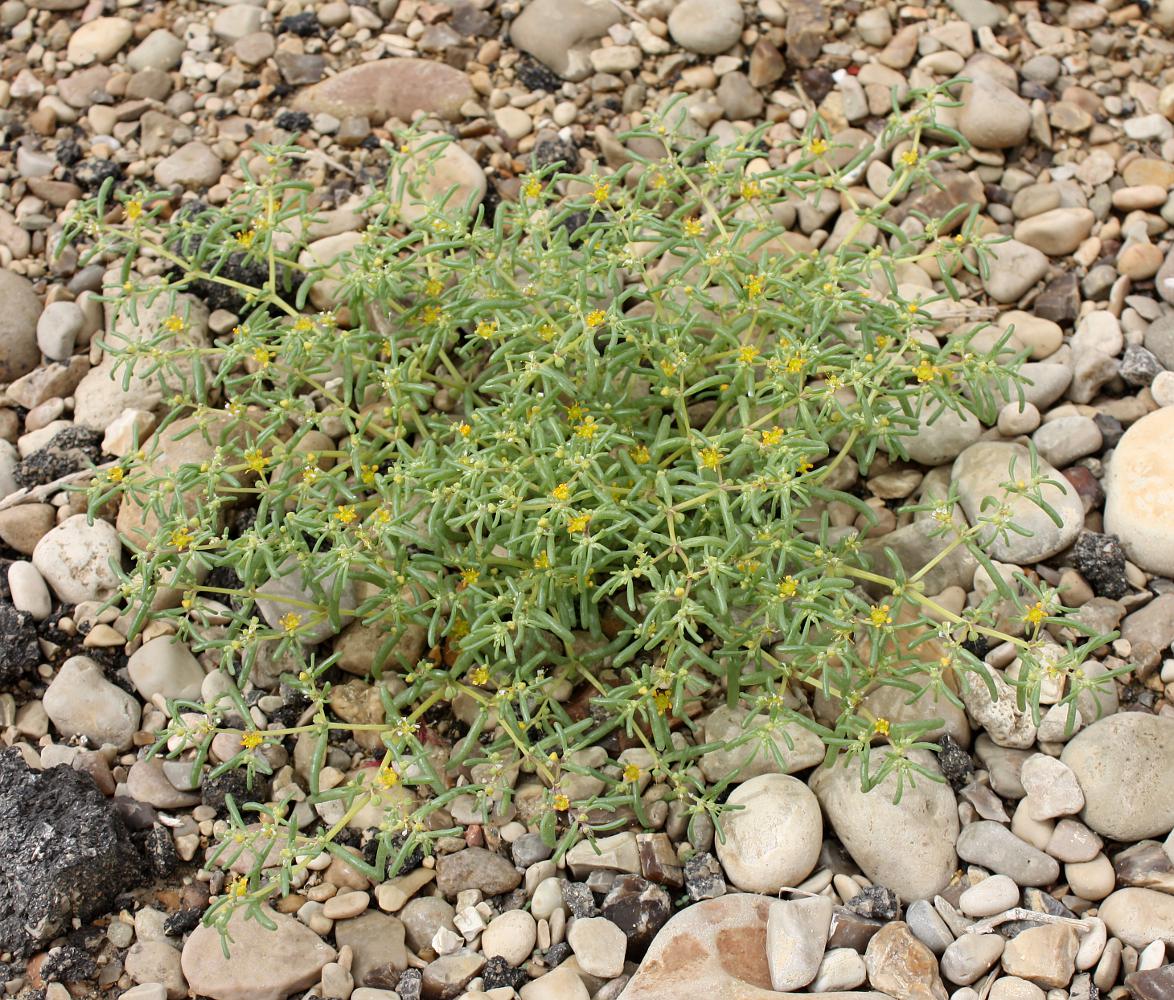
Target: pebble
(927,926)
(706,27)
(774,840)
(561,984)
(996,848)
(796,935)
(75,559)
(81,702)
(1014,268)
(346,905)
(512,936)
(1056,232)
(1120,763)
(907,846)
(262,964)
(19,353)
(1139,916)
(165,667)
(901,966)
(993,117)
(28,589)
(389,88)
(476,868)
(991,895)
(98,40)
(1051,787)
(971,956)
(1140,475)
(58,329)
(599,946)
(193,165)
(840,969)
(1044,955)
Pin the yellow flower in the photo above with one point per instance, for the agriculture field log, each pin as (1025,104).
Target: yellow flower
(174,323)
(134,209)
(367,473)
(262,356)
(881,727)
(925,371)
(587,428)
(663,700)
(290,621)
(772,436)
(577,523)
(532,188)
(479,676)
(879,615)
(345,513)
(600,192)
(433,287)
(464,430)
(238,887)
(562,492)
(795,363)
(711,458)
(640,454)
(252,739)
(561,803)
(747,354)
(909,157)
(470,576)
(542,562)
(547,331)
(486,329)
(255,460)
(631,773)
(803,467)
(387,777)
(788,587)
(817,146)
(116,474)
(181,538)
(755,285)
(245,239)
(694,227)
(1036,614)
(750,190)
(310,474)
(383,515)
(575,412)
(595,318)
(912,307)
(433,314)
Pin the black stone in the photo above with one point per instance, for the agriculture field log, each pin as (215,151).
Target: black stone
(92,174)
(557,954)
(293,121)
(578,899)
(1060,299)
(69,151)
(639,908)
(534,76)
(555,150)
(159,848)
(305,25)
(876,903)
(1101,561)
(703,877)
(1111,429)
(19,652)
(409,985)
(1139,367)
(955,762)
(68,964)
(182,921)
(69,450)
(64,853)
(213,791)
(498,972)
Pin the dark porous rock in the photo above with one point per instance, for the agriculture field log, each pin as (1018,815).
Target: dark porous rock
(19,652)
(704,878)
(955,762)
(557,954)
(304,25)
(213,791)
(499,973)
(639,908)
(476,868)
(578,898)
(182,921)
(159,848)
(1101,561)
(293,121)
(550,148)
(64,853)
(1139,367)
(877,903)
(1152,984)
(92,174)
(69,450)
(409,985)
(68,964)
(534,76)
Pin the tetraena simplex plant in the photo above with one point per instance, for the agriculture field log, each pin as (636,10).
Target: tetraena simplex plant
(586,444)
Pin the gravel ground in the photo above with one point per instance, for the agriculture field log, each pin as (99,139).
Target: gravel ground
(1036,870)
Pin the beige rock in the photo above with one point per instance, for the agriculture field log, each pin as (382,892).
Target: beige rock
(1044,955)
(902,966)
(390,88)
